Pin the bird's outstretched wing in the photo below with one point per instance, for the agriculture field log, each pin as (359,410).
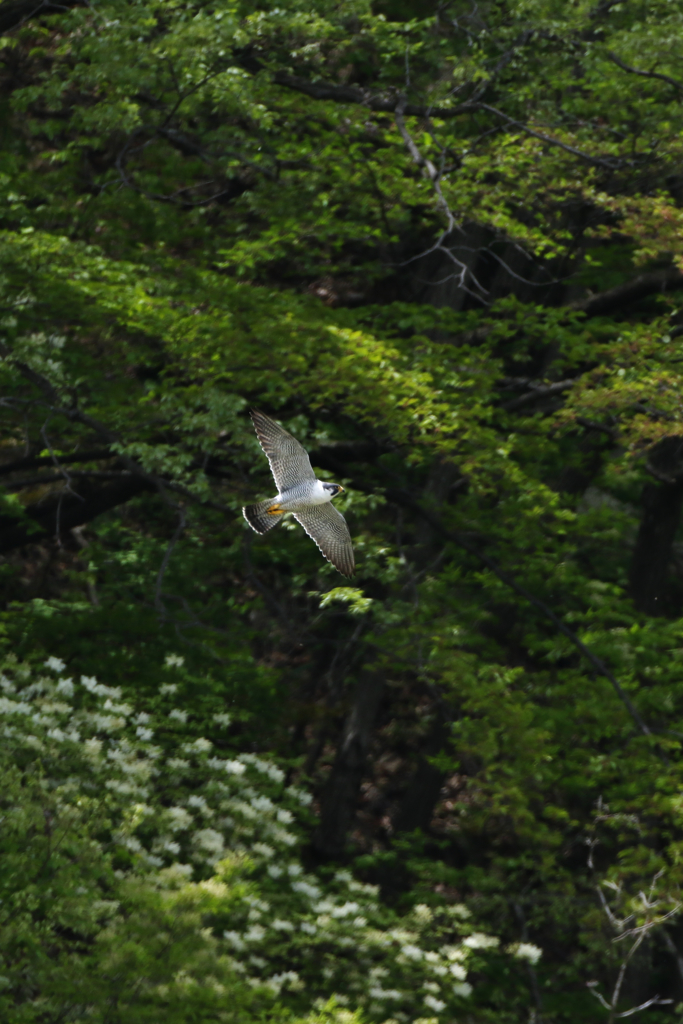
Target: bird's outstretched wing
(328,529)
(289,462)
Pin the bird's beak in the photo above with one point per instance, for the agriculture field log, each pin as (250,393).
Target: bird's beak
(341,489)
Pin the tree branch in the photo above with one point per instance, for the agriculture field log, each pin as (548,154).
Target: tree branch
(33,461)
(16,12)
(598,161)
(645,74)
(38,481)
(538,392)
(645,284)
(70,511)
(382,103)
(76,415)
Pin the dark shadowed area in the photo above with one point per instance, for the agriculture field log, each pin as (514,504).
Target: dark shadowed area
(442,245)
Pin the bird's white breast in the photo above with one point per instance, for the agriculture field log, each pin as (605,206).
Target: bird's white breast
(318,495)
(314,494)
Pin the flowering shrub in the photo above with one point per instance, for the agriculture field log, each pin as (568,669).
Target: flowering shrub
(148,877)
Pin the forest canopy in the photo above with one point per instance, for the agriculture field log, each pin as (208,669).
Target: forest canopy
(442,245)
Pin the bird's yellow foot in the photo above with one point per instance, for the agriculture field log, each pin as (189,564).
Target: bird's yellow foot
(275,510)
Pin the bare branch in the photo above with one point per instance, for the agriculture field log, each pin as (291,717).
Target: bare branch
(652,921)
(644,928)
(611,917)
(655,1001)
(645,74)
(428,168)
(622,974)
(591,986)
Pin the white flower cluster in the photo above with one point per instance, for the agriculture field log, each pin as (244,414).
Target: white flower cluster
(183,816)
(525,951)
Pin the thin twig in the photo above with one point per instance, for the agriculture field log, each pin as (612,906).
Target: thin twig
(598,161)
(649,904)
(622,974)
(655,1001)
(642,929)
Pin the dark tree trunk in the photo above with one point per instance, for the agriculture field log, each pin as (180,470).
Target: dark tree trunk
(651,587)
(654,547)
(341,792)
(440,489)
(424,788)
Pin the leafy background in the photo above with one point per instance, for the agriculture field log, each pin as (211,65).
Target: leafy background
(441,243)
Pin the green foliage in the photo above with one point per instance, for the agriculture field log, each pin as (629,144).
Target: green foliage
(138,883)
(206,207)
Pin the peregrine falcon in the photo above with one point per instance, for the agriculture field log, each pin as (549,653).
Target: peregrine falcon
(301,493)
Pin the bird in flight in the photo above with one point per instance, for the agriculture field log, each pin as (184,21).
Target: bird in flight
(301,493)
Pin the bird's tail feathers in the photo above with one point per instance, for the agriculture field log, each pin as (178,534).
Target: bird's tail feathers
(262,516)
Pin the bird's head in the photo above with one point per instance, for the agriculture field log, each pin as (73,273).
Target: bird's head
(334,489)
